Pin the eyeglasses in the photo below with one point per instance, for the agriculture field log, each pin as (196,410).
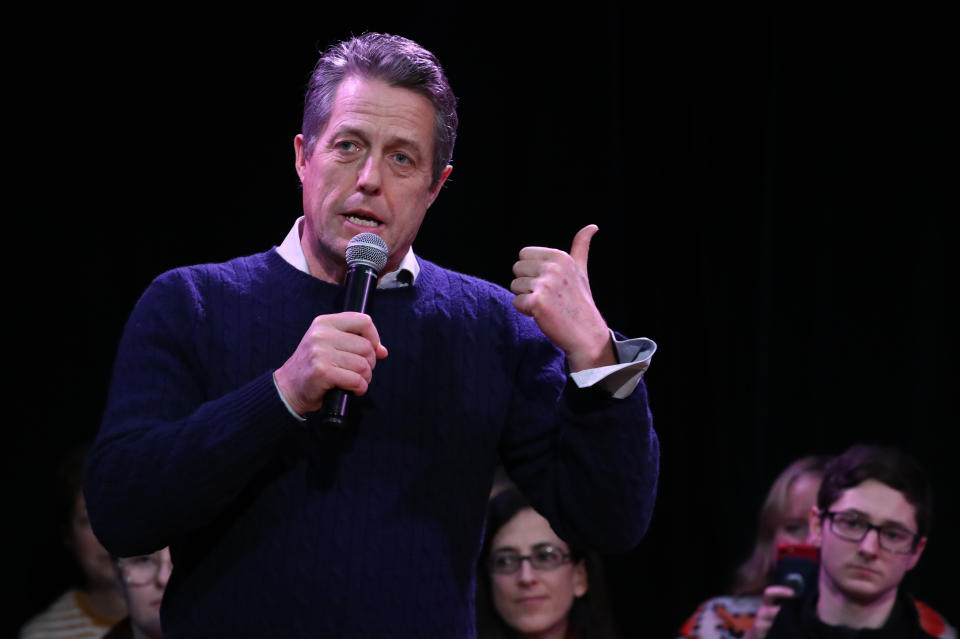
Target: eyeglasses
(142,569)
(543,557)
(891,537)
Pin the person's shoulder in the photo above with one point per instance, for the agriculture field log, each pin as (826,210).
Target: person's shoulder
(722,617)
(237,268)
(449,279)
(266,269)
(63,612)
(932,622)
(467,291)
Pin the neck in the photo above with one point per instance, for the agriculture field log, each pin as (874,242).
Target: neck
(140,633)
(835,608)
(324,267)
(556,631)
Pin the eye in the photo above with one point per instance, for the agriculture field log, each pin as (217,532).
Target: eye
(504,560)
(548,554)
(402,159)
(346,146)
(895,534)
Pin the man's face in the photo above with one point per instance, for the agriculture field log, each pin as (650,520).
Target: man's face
(369,171)
(862,571)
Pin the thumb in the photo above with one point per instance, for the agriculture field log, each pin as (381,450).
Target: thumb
(581,245)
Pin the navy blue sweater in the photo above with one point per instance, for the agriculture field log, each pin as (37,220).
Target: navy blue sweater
(289,529)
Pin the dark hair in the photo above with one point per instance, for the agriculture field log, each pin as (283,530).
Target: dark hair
(396,61)
(884,464)
(590,616)
(68,496)
(69,487)
(756,573)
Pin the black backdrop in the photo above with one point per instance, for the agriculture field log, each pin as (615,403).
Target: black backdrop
(775,185)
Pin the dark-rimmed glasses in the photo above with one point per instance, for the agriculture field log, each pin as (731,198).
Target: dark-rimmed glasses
(853,527)
(141,569)
(544,557)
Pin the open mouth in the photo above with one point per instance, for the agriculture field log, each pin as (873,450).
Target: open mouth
(362,220)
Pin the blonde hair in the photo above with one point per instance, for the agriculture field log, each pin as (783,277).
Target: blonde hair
(755,573)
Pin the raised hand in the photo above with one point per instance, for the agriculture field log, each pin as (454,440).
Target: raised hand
(553,287)
(337,351)
(768,610)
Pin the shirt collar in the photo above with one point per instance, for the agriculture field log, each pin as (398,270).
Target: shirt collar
(291,251)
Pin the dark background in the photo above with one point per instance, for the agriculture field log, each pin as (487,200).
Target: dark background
(775,185)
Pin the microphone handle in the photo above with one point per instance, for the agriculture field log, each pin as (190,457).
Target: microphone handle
(361,279)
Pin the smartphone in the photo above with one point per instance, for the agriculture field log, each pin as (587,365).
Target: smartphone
(797,567)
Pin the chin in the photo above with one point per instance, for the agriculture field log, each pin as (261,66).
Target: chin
(533,624)
(862,593)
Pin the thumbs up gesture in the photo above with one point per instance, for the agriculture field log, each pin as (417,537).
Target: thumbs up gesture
(553,287)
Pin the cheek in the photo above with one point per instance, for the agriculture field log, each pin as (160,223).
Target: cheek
(140,601)
(502,590)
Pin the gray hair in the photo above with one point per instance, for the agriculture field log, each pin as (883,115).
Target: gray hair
(396,61)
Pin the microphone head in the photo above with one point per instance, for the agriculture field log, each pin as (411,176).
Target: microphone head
(367,249)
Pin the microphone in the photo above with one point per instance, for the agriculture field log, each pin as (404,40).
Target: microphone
(366,255)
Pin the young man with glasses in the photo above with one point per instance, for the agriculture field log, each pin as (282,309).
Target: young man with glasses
(871,523)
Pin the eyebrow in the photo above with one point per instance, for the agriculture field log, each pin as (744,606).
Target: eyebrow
(887,522)
(533,547)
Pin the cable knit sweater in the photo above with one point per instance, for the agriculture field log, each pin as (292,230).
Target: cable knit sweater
(289,529)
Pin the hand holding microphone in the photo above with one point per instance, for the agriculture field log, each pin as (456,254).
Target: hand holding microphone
(366,255)
(338,352)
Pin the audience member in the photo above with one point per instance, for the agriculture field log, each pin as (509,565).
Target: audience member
(784,518)
(144,579)
(871,523)
(532,583)
(89,609)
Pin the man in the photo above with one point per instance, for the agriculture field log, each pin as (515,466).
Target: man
(280,525)
(871,524)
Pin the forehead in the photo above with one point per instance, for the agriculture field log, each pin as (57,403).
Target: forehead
(802,495)
(527,529)
(881,503)
(375,107)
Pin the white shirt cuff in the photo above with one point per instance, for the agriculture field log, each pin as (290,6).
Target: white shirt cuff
(620,379)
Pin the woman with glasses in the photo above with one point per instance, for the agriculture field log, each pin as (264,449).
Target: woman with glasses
(532,584)
(143,581)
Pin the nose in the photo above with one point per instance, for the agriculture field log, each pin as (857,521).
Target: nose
(166,567)
(368,180)
(870,544)
(526,575)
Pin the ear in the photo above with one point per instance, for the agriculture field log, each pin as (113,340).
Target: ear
(435,191)
(915,557)
(300,155)
(816,527)
(581,582)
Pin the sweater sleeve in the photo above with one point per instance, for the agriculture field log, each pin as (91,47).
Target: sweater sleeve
(587,461)
(172,453)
